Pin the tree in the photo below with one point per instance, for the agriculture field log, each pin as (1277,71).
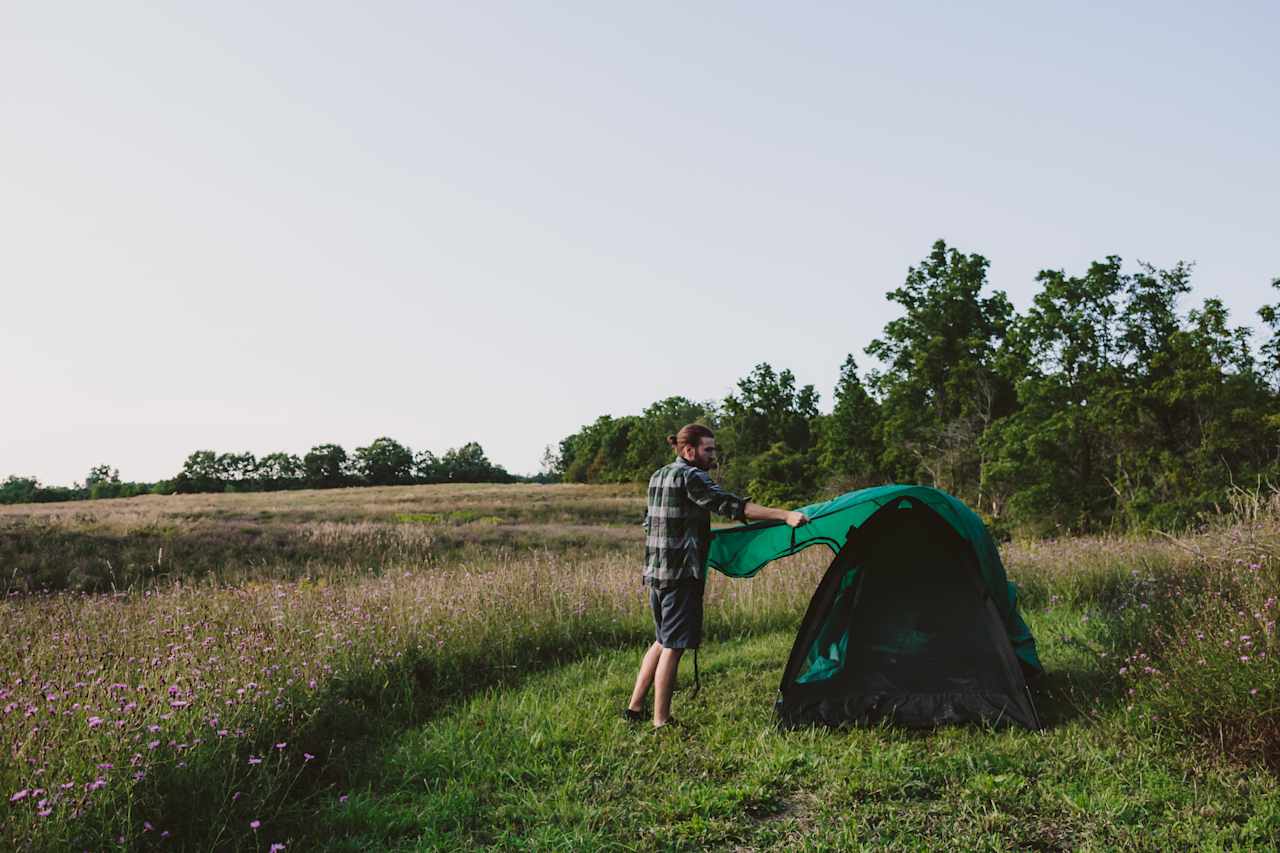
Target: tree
(1130,414)
(597,453)
(647,448)
(781,476)
(102,474)
(1270,362)
(102,481)
(766,410)
(239,471)
(201,472)
(849,442)
(468,464)
(550,468)
(326,467)
(18,490)
(385,462)
(1202,411)
(1150,315)
(1051,459)
(280,470)
(942,387)
(426,467)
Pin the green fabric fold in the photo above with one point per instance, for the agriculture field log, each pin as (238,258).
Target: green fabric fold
(740,552)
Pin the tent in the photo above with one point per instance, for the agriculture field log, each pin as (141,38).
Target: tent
(913,622)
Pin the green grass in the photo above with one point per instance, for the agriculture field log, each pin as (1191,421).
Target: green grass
(550,765)
(460,682)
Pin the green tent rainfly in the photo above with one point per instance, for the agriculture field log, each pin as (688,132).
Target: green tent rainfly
(740,552)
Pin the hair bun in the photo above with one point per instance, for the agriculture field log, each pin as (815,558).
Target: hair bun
(671,439)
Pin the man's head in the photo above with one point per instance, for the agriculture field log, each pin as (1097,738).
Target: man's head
(695,444)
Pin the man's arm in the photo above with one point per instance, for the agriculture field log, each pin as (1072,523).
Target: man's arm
(755,512)
(704,491)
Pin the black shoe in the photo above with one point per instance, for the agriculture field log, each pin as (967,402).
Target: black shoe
(633,716)
(671,723)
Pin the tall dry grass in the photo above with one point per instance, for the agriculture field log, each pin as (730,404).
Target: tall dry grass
(195,707)
(1191,621)
(152,540)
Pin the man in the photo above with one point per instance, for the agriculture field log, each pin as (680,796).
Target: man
(682,497)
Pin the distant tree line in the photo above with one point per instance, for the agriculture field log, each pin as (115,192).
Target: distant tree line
(385,462)
(1100,407)
(102,481)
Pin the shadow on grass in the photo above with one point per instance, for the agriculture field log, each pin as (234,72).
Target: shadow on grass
(347,730)
(1065,695)
(1084,687)
(358,714)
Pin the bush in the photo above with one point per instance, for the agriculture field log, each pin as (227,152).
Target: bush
(1211,671)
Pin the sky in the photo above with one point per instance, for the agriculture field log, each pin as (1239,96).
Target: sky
(261,227)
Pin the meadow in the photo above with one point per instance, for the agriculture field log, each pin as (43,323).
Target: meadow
(443,667)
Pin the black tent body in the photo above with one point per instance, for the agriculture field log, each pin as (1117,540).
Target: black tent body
(902,628)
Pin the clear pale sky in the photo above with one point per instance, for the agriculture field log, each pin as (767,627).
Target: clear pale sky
(267,226)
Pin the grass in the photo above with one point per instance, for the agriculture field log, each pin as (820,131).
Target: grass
(467,696)
(153,540)
(551,766)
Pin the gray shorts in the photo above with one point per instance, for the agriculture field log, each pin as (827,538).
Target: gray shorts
(677,614)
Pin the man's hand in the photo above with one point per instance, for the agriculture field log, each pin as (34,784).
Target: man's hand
(755,512)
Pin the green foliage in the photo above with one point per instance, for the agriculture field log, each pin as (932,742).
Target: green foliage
(280,471)
(1102,407)
(101,475)
(850,445)
(626,449)
(326,467)
(1050,459)
(15,490)
(942,385)
(781,476)
(597,453)
(468,464)
(201,472)
(768,417)
(239,471)
(426,467)
(647,447)
(1270,315)
(385,462)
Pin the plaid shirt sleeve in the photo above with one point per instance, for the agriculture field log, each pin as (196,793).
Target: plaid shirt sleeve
(707,494)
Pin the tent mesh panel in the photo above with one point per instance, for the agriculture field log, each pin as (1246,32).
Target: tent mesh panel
(910,634)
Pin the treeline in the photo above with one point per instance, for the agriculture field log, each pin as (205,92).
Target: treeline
(102,482)
(1101,407)
(385,462)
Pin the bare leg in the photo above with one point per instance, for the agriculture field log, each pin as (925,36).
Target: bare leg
(645,677)
(664,683)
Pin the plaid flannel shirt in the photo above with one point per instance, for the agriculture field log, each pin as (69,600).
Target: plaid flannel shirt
(678,522)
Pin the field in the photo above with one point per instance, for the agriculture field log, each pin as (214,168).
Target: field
(443,667)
